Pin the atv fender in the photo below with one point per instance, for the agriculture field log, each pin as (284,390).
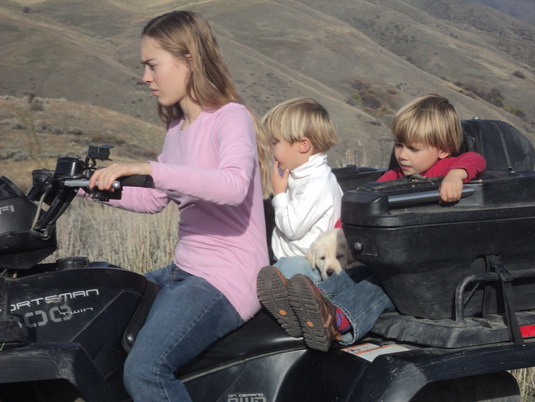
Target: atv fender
(56,361)
(400,376)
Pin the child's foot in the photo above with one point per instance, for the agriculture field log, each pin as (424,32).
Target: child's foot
(315,312)
(272,288)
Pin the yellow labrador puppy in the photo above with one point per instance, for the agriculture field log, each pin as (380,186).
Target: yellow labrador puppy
(329,253)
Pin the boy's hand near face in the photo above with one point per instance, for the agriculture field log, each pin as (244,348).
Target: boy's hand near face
(279,183)
(452,185)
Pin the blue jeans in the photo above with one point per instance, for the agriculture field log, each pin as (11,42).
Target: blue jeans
(188,315)
(356,291)
(289,266)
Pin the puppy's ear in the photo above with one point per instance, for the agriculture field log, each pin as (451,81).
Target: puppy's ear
(311,255)
(350,258)
(341,238)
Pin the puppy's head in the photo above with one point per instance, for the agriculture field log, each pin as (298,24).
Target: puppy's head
(329,253)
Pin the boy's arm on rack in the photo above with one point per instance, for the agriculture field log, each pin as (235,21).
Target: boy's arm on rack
(472,162)
(462,169)
(452,185)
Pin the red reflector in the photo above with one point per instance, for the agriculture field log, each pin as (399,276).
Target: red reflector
(527,331)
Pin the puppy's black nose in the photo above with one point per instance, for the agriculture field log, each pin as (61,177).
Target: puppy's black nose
(330,272)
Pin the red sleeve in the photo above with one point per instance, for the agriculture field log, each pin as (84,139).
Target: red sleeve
(472,162)
(391,175)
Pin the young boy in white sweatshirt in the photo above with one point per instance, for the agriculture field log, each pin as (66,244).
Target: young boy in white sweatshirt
(307,198)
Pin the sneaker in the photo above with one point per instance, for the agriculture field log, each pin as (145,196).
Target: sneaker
(316,314)
(272,288)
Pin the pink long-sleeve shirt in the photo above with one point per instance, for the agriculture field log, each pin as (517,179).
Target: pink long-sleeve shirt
(210,170)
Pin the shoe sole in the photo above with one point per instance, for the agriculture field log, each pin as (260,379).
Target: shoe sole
(272,288)
(307,303)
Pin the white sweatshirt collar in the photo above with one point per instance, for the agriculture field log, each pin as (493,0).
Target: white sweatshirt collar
(307,168)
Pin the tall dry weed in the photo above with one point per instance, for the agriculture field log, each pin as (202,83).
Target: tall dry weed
(138,242)
(526,382)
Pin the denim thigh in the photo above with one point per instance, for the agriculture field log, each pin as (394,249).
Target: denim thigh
(357,292)
(188,315)
(166,275)
(289,266)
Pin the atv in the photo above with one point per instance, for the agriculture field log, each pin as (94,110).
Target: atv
(460,275)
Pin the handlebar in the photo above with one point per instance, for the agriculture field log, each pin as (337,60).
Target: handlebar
(399,200)
(58,187)
(129,181)
(33,236)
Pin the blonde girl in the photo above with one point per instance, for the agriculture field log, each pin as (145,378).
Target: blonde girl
(209,169)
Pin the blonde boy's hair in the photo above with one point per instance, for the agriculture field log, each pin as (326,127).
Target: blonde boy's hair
(430,120)
(301,117)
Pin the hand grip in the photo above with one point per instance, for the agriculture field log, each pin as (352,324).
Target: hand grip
(422,197)
(129,181)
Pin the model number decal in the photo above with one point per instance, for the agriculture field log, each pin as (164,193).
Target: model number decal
(246,397)
(54,299)
(39,318)
(7,208)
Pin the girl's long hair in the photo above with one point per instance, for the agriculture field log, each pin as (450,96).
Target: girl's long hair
(188,37)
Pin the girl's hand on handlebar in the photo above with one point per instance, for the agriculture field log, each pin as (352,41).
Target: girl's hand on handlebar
(104,178)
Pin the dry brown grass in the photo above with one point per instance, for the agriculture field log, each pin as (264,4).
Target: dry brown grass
(526,382)
(137,242)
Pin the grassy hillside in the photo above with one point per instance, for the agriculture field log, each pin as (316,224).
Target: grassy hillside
(36,131)
(362,60)
(522,9)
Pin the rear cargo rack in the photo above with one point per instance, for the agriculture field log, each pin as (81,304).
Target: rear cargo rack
(508,325)
(504,278)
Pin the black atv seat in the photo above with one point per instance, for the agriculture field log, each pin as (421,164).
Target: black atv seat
(261,335)
(503,147)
